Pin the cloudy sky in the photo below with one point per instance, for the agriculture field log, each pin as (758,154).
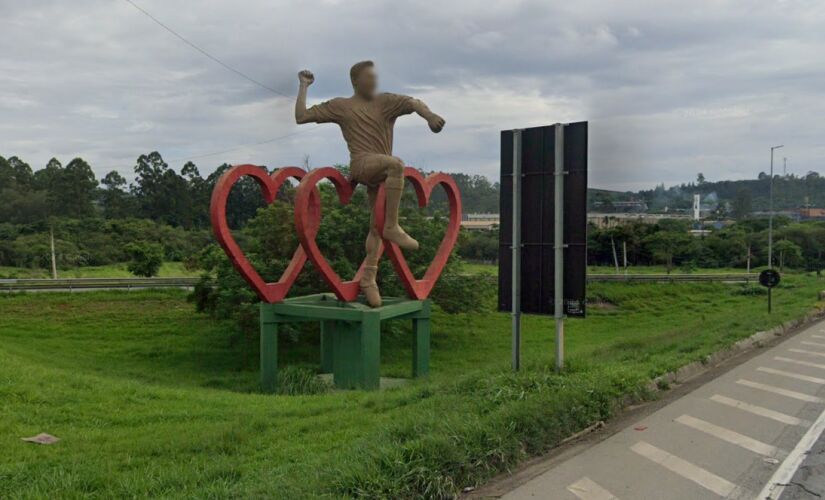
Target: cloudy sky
(671,88)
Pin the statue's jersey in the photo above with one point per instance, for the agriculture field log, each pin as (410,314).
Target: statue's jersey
(366,125)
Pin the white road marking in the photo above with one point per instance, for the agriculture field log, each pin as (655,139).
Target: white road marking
(730,436)
(797,376)
(780,391)
(758,410)
(800,362)
(812,353)
(817,344)
(787,469)
(687,470)
(818,336)
(587,489)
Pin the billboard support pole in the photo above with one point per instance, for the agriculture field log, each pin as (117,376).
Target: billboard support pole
(558,246)
(516,248)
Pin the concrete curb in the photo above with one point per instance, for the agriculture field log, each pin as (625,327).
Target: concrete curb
(755,341)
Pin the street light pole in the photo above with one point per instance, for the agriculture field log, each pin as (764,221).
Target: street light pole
(770,216)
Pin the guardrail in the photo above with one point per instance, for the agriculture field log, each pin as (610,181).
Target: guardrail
(71,284)
(668,278)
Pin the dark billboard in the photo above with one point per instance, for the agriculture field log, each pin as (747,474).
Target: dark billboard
(537,216)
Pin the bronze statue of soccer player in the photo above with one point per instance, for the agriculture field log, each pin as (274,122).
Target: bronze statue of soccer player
(367,120)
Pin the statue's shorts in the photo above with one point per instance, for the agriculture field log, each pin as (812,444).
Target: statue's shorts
(371,169)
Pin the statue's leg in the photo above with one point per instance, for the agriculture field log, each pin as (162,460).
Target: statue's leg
(388,169)
(373,246)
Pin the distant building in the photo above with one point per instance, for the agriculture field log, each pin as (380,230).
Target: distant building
(602,220)
(794,215)
(634,206)
(812,213)
(697,206)
(480,222)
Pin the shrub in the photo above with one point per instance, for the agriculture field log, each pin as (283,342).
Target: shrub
(146,258)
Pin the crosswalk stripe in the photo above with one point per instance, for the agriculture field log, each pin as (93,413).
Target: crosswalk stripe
(818,336)
(729,436)
(817,344)
(687,470)
(782,392)
(799,362)
(587,489)
(758,410)
(812,353)
(797,376)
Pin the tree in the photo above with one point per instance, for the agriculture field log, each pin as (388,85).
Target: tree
(45,179)
(146,258)
(789,252)
(700,179)
(114,199)
(74,190)
(22,173)
(743,203)
(667,245)
(6,174)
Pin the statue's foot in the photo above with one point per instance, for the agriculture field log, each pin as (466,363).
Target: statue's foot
(369,287)
(400,238)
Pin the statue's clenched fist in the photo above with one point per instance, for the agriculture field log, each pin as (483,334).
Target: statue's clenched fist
(306,77)
(436,123)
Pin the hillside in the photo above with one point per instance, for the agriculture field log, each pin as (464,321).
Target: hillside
(727,197)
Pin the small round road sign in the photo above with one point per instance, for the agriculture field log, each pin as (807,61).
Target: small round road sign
(769,278)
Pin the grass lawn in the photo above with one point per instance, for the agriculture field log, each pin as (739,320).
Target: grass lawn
(167,270)
(152,399)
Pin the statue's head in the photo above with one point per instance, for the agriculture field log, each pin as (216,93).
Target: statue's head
(364,80)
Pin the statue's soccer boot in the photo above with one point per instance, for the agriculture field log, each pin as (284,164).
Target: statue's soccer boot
(369,287)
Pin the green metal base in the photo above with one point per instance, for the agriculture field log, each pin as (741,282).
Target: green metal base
(350,337)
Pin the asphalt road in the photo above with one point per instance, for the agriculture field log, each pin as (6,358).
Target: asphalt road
(754,432)
(809,481)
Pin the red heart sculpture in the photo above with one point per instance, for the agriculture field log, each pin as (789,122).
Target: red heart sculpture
(420,289)
(267,292)
(307,228)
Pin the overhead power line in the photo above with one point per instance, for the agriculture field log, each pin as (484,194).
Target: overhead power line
(228,67)
(243,146)
(233,148)
(203,51)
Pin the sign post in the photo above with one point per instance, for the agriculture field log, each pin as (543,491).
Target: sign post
(516,248)
(769,278)
(558,246)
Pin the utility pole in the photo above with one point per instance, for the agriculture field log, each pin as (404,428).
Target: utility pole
(624,251)
(770,216)
(54,257)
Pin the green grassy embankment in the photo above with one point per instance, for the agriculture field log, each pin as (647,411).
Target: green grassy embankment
(152,399)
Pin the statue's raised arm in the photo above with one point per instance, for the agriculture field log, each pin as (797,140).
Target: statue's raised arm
(305,79)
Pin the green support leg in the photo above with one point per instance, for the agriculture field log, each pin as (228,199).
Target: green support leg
(371,351)
(345,352)
(421,347)
(269,352)
(357,353)
(327,346)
